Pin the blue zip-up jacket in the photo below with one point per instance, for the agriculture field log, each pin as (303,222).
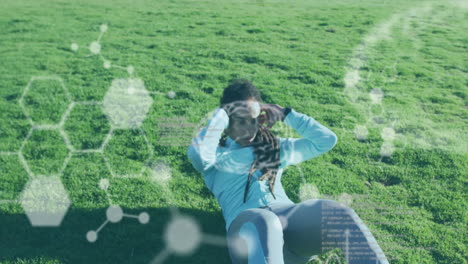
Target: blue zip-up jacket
(225,169)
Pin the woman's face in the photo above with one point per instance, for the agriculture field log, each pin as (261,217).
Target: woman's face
(243,122)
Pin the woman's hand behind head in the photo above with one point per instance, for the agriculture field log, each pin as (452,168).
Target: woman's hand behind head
(272,114)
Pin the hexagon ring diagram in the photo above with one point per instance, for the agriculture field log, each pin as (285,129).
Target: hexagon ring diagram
(45,201)
(127,103)
(45,100)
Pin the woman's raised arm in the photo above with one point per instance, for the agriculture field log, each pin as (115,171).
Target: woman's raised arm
(316,139)
(202,150)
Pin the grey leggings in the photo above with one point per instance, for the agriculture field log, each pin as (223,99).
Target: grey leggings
(295,234)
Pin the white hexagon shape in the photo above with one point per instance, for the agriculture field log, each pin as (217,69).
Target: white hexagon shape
(127,103)
(45,100)
(45,201)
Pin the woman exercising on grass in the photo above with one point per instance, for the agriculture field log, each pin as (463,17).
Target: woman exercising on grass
(242,162)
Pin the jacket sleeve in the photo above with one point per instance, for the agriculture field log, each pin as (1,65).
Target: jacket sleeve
(203,147)
(316,139)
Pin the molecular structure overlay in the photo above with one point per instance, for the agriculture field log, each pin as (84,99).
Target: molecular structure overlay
(125,105)
(114,213)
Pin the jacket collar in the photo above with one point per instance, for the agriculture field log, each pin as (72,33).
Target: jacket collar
(231,143)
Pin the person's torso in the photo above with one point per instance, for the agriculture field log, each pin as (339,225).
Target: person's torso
(228,182)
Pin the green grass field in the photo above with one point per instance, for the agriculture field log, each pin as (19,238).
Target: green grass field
(388,77)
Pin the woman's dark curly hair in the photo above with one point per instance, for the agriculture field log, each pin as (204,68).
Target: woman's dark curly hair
(240,89)
(266,144)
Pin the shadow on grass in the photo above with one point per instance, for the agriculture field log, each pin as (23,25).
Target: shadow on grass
(127,241)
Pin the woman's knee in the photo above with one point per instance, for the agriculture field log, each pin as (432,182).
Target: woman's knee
(262,219)
(255,232)
(257,222)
